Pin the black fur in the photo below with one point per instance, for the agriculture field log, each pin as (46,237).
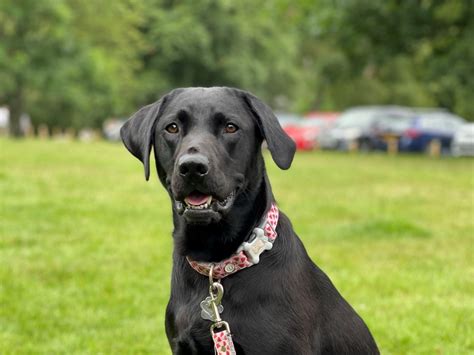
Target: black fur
(283,305)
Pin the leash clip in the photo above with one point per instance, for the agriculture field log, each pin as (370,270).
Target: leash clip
(211,307)
(220,324)
(223,344)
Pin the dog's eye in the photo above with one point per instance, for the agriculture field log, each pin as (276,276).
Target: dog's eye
(172,128)
(231,128)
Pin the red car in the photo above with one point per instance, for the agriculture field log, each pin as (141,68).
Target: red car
(305,132)
(329,117)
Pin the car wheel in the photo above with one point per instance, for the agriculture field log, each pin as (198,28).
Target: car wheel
(364,146)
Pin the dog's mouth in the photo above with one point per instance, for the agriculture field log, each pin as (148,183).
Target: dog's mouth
(202,208)
(198,201)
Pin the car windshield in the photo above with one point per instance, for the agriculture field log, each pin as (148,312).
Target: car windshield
(353,119)
(394,123)
(288,119)
(440,121)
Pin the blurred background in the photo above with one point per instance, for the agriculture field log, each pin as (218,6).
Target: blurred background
(79,67)
(378,96)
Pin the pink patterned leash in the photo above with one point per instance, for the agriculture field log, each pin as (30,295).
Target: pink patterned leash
(210,309)
(248,253)
(223,344)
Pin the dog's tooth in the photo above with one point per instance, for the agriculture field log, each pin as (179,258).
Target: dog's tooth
(179,206)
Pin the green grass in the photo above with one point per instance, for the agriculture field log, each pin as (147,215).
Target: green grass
(85,247)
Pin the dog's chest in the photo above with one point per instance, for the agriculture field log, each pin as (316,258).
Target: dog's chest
(189,330)
(256,322)
(187,315)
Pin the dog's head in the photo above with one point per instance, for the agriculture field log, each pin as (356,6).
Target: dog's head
(207,147)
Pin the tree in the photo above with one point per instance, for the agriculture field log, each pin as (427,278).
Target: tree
(77,62)
(31,34)
(206,43)
(62,65)
(390,52)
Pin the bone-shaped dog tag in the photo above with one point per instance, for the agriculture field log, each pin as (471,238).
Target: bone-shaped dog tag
(257,246)
(207,311)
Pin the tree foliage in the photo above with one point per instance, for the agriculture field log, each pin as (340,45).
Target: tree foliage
(211,42)
(404,52)
(77,62)
(67,63)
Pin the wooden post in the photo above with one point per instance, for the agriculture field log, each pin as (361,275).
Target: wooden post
(392,144)
(57,133)
(353,146)
(43,131)
(434,148)
(29,131)
(70,134)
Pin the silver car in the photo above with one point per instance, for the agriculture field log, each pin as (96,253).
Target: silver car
(355,127)
(463,141)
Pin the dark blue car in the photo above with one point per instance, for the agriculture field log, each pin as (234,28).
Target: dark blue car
(427,128)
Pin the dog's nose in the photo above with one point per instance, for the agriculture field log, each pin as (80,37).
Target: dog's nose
(193,166)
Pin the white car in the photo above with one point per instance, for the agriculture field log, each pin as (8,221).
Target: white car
(463,141)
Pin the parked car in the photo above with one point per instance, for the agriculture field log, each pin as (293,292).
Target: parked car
(305,133)
(111,128)
(428,128)
(387,129)
(322,115)
(289,122)
(305,130)
(366,127)
(288,119)
(463,141)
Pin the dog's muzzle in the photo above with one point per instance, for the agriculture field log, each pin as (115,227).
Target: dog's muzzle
(200,208)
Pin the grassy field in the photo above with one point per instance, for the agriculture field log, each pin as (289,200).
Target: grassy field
(85,246)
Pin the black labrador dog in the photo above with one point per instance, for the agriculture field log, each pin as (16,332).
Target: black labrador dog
(207,144)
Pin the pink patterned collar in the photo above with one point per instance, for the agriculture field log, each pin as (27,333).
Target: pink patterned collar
(248,253)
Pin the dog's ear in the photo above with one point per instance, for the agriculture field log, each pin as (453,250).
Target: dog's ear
(137,132)
(281,146)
